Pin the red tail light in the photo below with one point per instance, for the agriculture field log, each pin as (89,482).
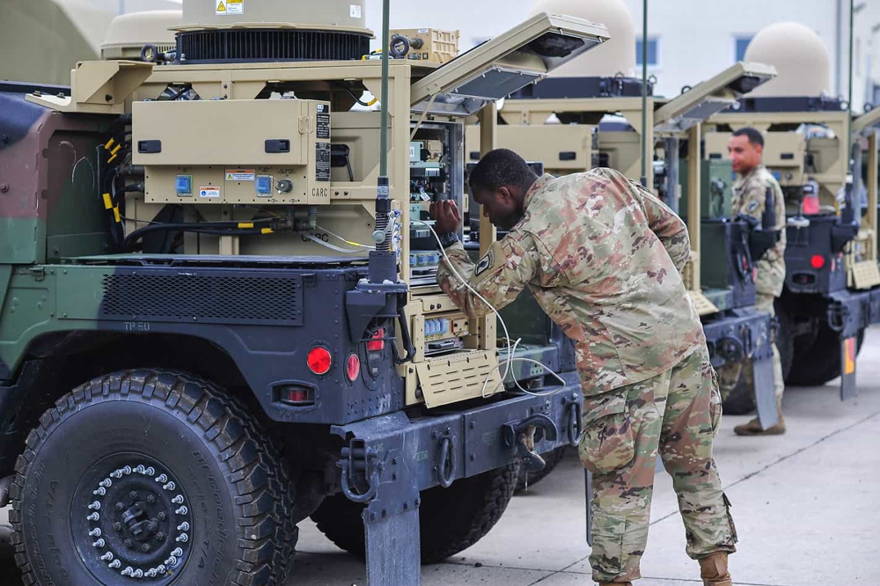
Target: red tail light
(296,396)
(319,360)
(817,261)
(811,204)
(378,342)
(353,367)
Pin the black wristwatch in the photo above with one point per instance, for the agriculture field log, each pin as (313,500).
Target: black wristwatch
(448,239)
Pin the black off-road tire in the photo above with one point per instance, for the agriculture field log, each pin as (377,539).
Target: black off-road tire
(526,479)
(820,362)
(785,341)
(239,496)
(450,519)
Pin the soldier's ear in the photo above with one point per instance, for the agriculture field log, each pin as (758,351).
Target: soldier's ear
(505,195)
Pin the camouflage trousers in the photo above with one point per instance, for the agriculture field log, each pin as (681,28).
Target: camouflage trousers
(731,375)
(676,415)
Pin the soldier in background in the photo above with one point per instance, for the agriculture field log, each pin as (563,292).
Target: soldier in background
(602,257)
(757,194)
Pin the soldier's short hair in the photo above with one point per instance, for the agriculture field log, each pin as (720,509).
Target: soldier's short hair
(753,135)
(501,168)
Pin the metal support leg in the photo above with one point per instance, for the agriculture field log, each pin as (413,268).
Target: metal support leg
(393,547)
(378,471)
(765,391)
(848,388)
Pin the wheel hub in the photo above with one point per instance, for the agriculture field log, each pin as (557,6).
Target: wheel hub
(138,523)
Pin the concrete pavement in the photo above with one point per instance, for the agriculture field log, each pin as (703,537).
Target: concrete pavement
(806,505)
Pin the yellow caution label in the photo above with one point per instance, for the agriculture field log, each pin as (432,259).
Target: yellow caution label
(109,143)
(266,231)
(224,7)
(116,215)
(241,175)
(245,224)
(108,203)
(849,356)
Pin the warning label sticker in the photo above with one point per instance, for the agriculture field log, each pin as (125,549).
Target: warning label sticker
(322,161)
(209,191)
(355,11)
(241,175)
(224,7)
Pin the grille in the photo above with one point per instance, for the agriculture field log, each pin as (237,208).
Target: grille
(188,297)
(218,46)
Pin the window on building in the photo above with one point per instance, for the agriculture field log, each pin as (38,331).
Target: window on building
(740,43)
(653,52)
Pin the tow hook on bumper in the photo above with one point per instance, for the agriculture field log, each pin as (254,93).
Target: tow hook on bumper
(523,435)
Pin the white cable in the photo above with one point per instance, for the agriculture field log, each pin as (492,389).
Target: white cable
(317,240)
(511,348)
(481,298)
(347,241)
(541,364)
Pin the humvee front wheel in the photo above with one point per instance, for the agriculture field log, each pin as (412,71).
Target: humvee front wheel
(154,476)
(450,519)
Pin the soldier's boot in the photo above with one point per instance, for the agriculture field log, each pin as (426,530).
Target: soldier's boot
(753,427)
(713,570)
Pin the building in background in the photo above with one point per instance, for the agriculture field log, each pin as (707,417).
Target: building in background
(688,40)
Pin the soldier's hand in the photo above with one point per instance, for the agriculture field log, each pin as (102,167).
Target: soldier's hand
(446,216)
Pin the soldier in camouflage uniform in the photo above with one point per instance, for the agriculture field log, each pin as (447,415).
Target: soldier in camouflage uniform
(753,192)
(602,256)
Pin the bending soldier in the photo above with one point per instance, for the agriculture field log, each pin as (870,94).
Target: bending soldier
(602,257)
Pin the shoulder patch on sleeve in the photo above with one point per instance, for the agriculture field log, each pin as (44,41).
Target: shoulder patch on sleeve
(484,264)
(753,205)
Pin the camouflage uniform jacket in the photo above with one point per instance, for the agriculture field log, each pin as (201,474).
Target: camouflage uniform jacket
(750,198)
(602,257)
